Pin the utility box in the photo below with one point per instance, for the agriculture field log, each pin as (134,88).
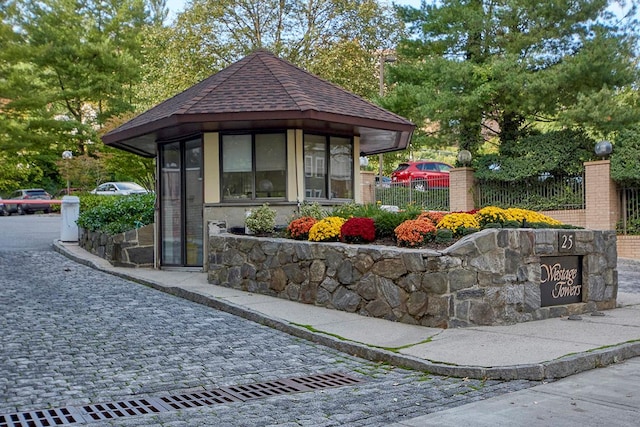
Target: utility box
(70,211)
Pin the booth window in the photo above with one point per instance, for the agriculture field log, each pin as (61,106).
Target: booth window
(254,166)
(332,179)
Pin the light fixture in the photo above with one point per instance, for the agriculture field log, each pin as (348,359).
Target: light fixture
(464,157)
(603,148)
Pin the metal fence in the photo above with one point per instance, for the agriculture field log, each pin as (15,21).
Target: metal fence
(544,193)
(629,211)
(418,194)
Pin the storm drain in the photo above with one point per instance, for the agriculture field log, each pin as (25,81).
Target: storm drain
(127,408)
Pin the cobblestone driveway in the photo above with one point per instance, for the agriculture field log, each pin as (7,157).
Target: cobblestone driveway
(70,335)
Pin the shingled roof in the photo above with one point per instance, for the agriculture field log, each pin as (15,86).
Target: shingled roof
(262,91)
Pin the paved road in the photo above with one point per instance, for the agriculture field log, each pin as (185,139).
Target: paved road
(73,336)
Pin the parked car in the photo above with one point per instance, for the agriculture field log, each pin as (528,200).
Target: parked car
(422,174)
(3,209)
(31,204)
(119,188)
(386,182)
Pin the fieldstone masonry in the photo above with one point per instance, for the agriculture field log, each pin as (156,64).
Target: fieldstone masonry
(488,278)
(133,248)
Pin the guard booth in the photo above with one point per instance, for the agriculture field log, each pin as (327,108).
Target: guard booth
(260,131)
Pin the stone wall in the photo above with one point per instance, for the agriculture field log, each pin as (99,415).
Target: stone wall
(492,277)
(133,248)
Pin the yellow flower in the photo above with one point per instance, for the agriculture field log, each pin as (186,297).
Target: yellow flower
(326,230)
(458,222)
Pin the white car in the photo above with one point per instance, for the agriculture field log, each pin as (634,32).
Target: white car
(119,188)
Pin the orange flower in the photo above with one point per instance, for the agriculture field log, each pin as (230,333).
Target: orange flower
(299,228)
(415,232)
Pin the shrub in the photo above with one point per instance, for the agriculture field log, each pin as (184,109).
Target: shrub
(358,230)
(443,236)
(414,232)
(116,214)
(326,230)
(261,220)
(313,210)
(299,228)
(458,222)
(386,221)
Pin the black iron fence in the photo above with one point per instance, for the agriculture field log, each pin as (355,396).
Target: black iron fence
(417,193)
(544,193)
(629,222)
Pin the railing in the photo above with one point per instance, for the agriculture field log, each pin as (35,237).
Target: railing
(544,193)
(629,211)
(426,195)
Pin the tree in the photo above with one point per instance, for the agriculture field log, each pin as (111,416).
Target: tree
(336,39)
(65,67)
(475,68)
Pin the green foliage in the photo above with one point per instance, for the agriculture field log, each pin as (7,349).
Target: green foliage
(64,70)
(313,210)
(351,210)
(625,158)
(116,214)
(632,227)
(261,220)
(386,222)
(444,236)
(480,69)
(559,153)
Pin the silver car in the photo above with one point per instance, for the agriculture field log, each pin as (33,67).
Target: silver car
(119,188)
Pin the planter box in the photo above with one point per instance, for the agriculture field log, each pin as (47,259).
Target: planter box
(493,277)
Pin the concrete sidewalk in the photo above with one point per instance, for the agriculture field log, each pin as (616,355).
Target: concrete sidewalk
(553,348)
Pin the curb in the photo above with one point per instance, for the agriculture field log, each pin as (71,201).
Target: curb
(554,369)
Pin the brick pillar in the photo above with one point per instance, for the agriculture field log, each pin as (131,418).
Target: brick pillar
(461,182)
(601,196)
(367,183)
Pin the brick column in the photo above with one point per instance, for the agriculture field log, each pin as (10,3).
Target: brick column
(461,182)
(368,184)
(601,196)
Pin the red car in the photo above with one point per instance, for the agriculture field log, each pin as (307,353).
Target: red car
(422,174)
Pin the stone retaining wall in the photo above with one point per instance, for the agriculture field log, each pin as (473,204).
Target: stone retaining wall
(488,278)
(133,248)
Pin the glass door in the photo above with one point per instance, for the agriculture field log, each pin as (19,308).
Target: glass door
(181,197)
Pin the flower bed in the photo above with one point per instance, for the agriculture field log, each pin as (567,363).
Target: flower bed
(490,277)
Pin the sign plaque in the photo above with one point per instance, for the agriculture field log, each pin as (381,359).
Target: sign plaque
(566,241)
(560,280)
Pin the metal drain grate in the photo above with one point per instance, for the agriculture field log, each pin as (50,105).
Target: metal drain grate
(107,411)
(192,400)
(44,418)
(231,394)
(321,381)
(261,390)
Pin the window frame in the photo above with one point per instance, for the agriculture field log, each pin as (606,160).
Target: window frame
(254,184)
(312,193)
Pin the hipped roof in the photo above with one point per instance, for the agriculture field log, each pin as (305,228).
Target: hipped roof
(262,92)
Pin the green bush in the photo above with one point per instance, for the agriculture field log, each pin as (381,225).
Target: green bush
(262,220)
(625,158)
(313,210)
(444,236)
(386,222)
(115,214)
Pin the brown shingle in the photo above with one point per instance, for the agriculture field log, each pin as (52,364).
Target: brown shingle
(261,86)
